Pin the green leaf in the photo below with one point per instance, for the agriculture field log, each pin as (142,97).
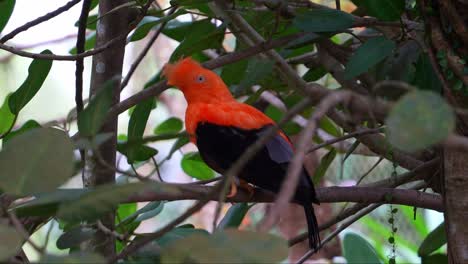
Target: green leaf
(257,69)
(90,42)
(418,120)
(234,73)
(30,124)
(323,20)
(433,241)
(37,73)
(325,163)
(92,117)
(178,233)
(148,23)
(136,129)
(6,9)
(91,23)
(367,55)
(314,74)
(227,246)
(234,216)
(425,78)
(194,166)
(203,35)
(351,149)
(434,259)
(170,126)
(74,237)
(105,199)
(47,204)
(73,258)
(49,156)
(11,241)
(136,153)
(148,211)
(387,10)
(6,117)
(357,250)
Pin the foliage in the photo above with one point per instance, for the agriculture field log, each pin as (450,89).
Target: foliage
(271,54)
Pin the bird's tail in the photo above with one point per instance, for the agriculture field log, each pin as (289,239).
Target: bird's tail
(312,226)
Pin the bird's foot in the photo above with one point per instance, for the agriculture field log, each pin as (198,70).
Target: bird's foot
(243,185)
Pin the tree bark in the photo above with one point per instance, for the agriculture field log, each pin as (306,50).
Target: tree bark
(107,65)
(456,204)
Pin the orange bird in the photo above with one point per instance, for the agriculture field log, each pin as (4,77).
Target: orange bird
(223,129)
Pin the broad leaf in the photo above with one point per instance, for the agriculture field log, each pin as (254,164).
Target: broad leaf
(194,166)
(418,120)
(387,10)
(323,20)
(202,36)
(6,9)
(73,258)
(136,129)
(92,117)
(47,204)
(74,237)
(137,152)
(178,233)
(433,241)
(228,246)
(11,241)
(105,199)
(170,126)
(38,160)
(325,163)
(30,124)
(234,216)
(434,259)
(257,69)
(6,117)
(37,73)
(367,55)
(357,250)
(148,211)
(148,23)
(425,78)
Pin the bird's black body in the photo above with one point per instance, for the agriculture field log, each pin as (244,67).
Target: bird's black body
(220,146)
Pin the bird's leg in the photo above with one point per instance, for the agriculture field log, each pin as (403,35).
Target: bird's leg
(241,184)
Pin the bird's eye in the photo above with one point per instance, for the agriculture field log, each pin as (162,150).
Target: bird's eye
(200,79)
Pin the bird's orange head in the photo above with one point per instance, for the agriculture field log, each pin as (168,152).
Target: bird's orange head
(197,83)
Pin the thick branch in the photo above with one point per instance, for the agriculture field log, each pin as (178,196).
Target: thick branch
(365,195)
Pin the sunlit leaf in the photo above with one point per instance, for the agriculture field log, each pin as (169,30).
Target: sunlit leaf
(30,124)
(37,73)
(6,117)
(194,166)
(170,126)
(418,120)
(38,160)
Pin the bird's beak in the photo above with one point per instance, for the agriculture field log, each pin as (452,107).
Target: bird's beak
(168,69)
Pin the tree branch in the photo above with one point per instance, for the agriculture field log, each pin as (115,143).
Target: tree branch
(39,20)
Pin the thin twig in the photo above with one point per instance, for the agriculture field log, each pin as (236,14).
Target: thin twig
(22,231)
(39,20)
(145,50)
(296,165)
